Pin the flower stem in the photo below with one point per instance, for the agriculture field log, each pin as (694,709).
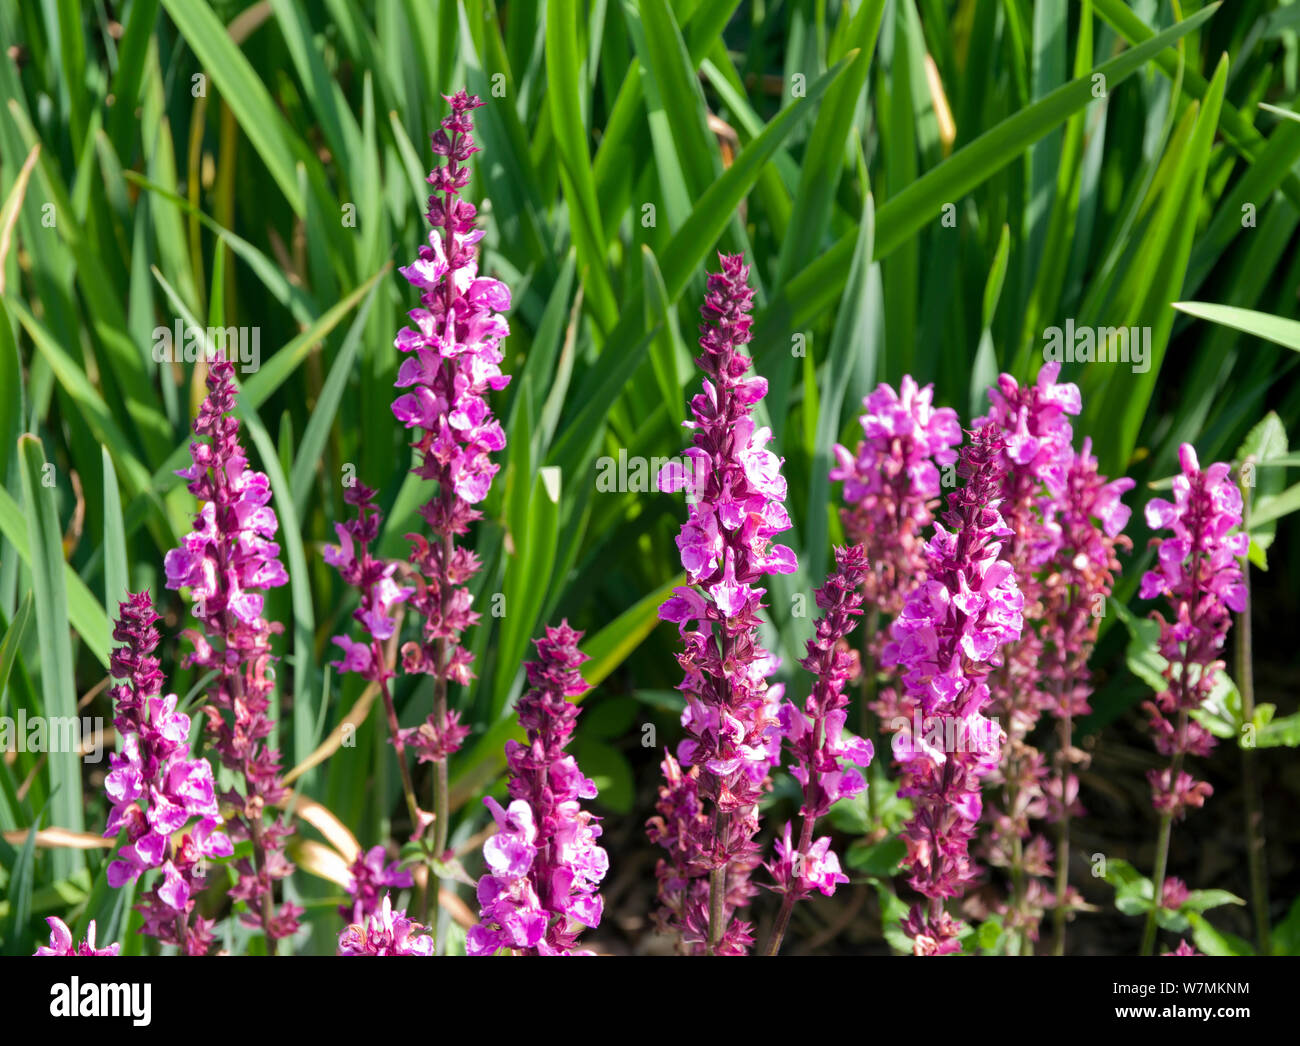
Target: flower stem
(390,710)
(718,890)
(1066,725)
(1255,856)
(1162,848)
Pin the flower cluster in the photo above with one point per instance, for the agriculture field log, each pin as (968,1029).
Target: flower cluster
(385,932)
(454,356)
(369,878)
(154,766)
(226,561)
(824,758)
(726,547)
(61,942)
(951,632)
(373,578)
(544,865)
(1092,519)
(1033,421)
(1199,572)
(892,484)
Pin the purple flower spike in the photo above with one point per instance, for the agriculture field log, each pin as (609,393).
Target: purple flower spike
(1033,421)
(156,789)
(892,484)
(726,547)
(226,561)
(543,864)
(453,361)
(1092,518)
(945,641)
(61,941)
(1199,573)
(824,758)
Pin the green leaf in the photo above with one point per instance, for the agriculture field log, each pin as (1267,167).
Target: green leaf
(45,537)
(1285,937)
(609,770)
(1276,329)
(116,578)
(312,448)
(1204,900)
(1282,732)
(1211,942)
(611,718)
(243,91)
(882,859)
(12,644)
(851,331)
(19,892)
(84,611)
(563,72)
(921,202)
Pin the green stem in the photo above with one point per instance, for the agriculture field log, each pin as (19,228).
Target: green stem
(1255,856)
(1162,847)
(1066,724)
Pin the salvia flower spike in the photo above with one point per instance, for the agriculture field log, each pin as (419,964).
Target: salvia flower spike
(226,562)
(1199,572)
(892,484)
(453,357)
(824,756)
(544,866)
(1034,422)
(157,789)
(950,634)
(1092,519)
(726,547)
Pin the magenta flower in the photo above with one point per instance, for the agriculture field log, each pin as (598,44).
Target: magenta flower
(1199,572)
(1033,421)
(156,789)
(1092,518)
(950,634)
(453,357)
(726,548)
(373,578)
(385,932)
(61,941)
(824,757)
(544,865)
(226,562)
(369,878)
(892,485)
